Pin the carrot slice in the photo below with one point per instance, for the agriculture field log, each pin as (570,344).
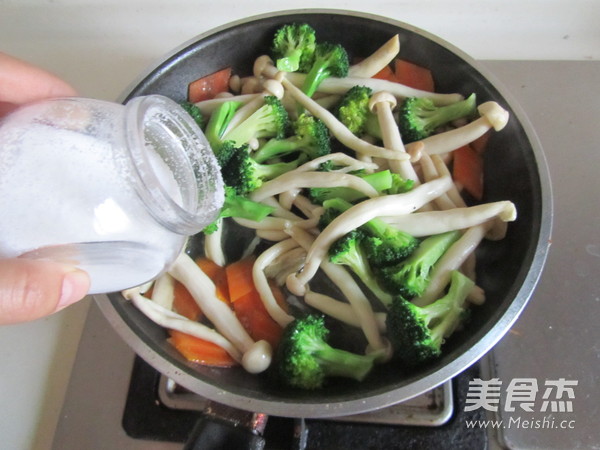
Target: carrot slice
(239,278)
(254,317)
(207,87)
(217,274)
(385,74)
(200,351)
(467,170)
(413,75)
(184,303)
(480,143)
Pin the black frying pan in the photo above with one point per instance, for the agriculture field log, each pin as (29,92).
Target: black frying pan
(515,170)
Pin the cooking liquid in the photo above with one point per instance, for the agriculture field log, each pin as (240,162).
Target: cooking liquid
(58,176)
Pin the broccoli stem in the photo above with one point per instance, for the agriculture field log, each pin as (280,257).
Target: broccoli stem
(445,313)
(442,115)
(218,122)
(381,181)
(340,363)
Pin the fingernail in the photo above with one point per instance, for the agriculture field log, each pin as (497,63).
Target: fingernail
(75,286)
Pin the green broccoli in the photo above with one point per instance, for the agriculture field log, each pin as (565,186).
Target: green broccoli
(353,109)
(293,47)
(410,277)
(384,244)
(419,117)
(306,360)
(400,185)
(348,251)
(417,333)
(236,205)
(311,137)
(271,120)
(195,112)
(331,60)
(245,175)
(218,122)
(382,181)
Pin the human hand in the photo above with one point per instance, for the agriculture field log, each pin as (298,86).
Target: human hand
(31,289)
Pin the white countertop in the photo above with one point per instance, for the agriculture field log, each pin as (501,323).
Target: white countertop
(101,47)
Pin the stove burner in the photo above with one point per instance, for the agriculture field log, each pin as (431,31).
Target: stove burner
(159,409)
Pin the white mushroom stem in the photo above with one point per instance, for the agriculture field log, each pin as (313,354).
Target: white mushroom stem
(339,310)
(349,163)
(207,107)
(169,319)
(442,170)
(350,289)
(279,211)
(294,180)
(213,248)
(428,223)
(203,291)
(340,86)
(357,216)
(430,172)
(382,104)
(163,291)
(268,223)
(262,284)
(377,60)
(454,257)
(338,129)
(284,264)
(286,199)
(492,116)
(272,235)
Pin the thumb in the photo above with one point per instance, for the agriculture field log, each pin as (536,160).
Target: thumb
(31,289)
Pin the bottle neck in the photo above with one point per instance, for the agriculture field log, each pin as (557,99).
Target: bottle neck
(175,172)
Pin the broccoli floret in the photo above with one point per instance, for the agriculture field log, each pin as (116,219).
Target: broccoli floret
(400,185)
(311,138)
(348,251)
(305,359)
(236,205)
(244,174)
(419,117)
(417,333)
(293,47)
(331,60)
(384,244)
(271,120)
(353,109)
(410,277)
(382,181)
(195,112)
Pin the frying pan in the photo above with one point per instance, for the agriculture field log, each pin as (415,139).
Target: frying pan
(508,270)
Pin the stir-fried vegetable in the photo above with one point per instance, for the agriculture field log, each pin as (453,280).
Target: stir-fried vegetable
(381,219)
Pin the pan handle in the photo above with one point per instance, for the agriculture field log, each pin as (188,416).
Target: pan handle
(224,428)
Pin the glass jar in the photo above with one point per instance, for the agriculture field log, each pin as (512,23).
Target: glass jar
(113,189)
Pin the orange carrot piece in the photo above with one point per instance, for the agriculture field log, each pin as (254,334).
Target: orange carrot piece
(239,278)
(209,86)
(385,74)
(200,351)
(480,143)
(467,170)
(184,303)
(217,274)
(413,75)
(254,317)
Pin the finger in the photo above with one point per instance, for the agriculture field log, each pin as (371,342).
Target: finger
(21,82)
(31,289)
